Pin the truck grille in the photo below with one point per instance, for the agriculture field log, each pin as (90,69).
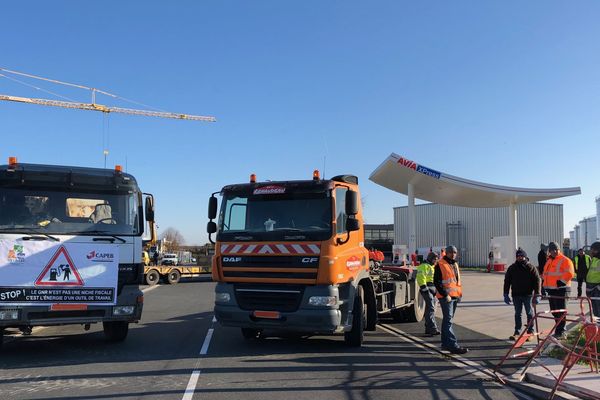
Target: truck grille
(285,269)
(284,298)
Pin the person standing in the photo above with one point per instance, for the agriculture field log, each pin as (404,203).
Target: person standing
(427,288)
(582,263)
(490,266)
(542,256)
(592,280)
(558,273)
(524,280)
(446,278)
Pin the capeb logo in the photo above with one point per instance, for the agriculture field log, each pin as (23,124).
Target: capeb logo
(97,256)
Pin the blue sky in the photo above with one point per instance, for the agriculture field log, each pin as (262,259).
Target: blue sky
(501,92)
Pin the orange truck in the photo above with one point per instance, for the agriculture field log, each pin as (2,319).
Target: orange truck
(290,258)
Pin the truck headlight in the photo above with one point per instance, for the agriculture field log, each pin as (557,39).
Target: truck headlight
(123,310)
(222,297)
(322,301)
(9,314)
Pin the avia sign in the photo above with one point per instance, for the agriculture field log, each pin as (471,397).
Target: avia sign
(419,168)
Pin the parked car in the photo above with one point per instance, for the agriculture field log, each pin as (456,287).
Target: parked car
(169,259)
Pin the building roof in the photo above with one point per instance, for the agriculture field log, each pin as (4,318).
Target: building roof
(396,172)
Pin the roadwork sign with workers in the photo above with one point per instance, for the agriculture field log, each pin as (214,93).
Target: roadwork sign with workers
(44,272)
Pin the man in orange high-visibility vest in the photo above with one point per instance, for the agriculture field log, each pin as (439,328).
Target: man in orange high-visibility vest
(446,278)
(556,281)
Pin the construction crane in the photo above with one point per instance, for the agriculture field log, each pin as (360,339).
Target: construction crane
(93,106)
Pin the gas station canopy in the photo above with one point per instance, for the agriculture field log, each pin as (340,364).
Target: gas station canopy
(418,181)
(396,173)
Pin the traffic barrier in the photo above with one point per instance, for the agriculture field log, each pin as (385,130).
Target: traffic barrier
(586,349)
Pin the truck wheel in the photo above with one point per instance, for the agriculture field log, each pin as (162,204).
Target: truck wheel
(371,313)
(115,331)
(416,312)
(152,277)
(173,277)
(355,336)
(249,333)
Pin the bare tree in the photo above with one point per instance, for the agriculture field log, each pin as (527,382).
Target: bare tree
(172,240)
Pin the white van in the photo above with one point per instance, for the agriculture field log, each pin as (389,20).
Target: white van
(169,259)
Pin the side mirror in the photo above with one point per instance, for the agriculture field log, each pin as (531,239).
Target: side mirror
(351,203)
(149,208)
(212,207)
(352,224)
(211,227)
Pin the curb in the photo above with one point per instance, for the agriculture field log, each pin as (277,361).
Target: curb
(538,391)
(577,391)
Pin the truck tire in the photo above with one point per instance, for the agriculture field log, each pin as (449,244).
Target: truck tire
(371,311)
(416,312)
(355,336)
(152,277)
(115,331)
(249,333)
(173,277)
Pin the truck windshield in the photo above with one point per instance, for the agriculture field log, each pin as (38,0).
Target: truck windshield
(60,212)
(290,216)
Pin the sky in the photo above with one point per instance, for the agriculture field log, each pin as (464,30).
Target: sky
(501,92)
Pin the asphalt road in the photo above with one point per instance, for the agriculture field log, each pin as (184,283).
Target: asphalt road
(177,351)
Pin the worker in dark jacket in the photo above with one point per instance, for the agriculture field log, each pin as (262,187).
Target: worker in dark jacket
(446,278)
(525,282)
(582,264)
(542,257)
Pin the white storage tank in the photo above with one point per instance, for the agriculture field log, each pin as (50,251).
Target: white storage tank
(577,230)
(572,241)
(587,233)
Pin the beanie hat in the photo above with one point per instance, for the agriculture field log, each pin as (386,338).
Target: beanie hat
(431,257)
(553,246)
(521,253)
(451,249)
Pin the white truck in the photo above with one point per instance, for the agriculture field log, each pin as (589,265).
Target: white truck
(71,247)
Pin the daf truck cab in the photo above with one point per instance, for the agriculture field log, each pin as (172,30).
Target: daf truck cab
(71,247)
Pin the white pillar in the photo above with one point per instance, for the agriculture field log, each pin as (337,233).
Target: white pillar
(412,220)
(512,231)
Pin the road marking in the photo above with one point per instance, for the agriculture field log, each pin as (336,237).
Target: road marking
(191,386)
(467,365)
(150,288)
(193,382)
(207,339)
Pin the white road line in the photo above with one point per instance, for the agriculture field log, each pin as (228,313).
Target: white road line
(467,365)
(193,382)
(191,386)
(207,339)
(150,288)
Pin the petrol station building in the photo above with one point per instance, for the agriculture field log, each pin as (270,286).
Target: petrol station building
(468,214)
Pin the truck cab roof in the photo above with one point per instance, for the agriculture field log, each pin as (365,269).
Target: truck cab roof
(65,176)
(313,185)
